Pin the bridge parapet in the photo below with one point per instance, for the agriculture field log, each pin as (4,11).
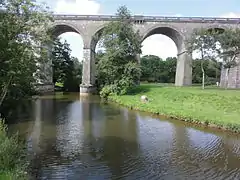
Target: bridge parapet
(151,18)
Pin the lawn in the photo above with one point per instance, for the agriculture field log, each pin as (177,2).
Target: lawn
(212,106)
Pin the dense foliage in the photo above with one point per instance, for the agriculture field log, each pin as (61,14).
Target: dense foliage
(118,69)
(67,70)
(23,32)
(155,69)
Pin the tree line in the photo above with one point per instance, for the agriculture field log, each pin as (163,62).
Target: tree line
(155,69)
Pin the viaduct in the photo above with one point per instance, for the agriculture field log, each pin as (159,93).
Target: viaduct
(176,28)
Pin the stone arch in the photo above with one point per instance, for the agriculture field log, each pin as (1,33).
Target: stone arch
(97,36)
(168,30)
(183,75)
(59,28)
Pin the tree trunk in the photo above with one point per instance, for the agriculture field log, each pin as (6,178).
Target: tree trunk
(4,91)
(203,76)
(227,78)
(216,75)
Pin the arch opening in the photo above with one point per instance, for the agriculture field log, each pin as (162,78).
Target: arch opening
(173,34)
(67,68)
(97,41)
(160,48)
(216,30)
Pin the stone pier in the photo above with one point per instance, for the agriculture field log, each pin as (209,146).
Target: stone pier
(88,74)
(233,78)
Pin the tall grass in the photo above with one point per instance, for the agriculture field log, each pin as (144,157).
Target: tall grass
(12,156)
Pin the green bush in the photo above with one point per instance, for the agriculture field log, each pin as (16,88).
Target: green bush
(12,156)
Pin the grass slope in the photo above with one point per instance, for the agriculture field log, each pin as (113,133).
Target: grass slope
(211,106)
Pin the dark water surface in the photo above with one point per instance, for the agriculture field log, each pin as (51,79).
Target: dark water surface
(81,138)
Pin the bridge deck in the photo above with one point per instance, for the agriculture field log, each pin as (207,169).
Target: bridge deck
(150,18)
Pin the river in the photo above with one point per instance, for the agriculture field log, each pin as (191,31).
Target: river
(73,138)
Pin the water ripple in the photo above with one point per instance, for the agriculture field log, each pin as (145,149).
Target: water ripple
(88,140)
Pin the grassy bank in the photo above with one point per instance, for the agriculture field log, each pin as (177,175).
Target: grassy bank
(212,106)
(12,156)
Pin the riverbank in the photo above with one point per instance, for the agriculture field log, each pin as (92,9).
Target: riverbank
(212,106)
(12,156)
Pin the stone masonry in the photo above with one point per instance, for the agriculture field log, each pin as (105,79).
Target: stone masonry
(233,80)
(177,28)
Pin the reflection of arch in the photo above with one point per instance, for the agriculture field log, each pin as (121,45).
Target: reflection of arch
(169,31)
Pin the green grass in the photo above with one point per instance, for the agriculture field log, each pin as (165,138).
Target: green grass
(12,156)
(212,106)
(59,84)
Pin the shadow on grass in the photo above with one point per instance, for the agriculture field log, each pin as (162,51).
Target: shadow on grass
(143,88)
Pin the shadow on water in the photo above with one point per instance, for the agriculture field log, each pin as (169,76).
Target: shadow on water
(81,138)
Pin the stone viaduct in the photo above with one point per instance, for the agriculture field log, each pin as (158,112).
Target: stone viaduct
(176,28)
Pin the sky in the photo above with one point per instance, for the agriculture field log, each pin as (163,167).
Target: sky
(159,45)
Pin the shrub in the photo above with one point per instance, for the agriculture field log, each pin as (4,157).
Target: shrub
(12,155)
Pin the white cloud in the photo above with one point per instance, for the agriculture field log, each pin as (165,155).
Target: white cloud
(231,15)
(86,7)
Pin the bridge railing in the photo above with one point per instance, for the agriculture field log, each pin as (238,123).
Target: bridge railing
(148,18)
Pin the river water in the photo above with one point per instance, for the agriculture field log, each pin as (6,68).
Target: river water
(75,138)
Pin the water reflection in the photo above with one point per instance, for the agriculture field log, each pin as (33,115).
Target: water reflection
(81,138)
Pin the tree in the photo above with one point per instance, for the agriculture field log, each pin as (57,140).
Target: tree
(212,71)
(229,50)
(203,42)
(73,76)
(61,59)
(24,28)
(170,68)
(155,69)
(66,69)
(151,66)
(118,69)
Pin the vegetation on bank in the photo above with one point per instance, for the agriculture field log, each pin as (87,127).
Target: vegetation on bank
(24,34)
(211,106)
(24,26)
(12,156)
(118,69)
